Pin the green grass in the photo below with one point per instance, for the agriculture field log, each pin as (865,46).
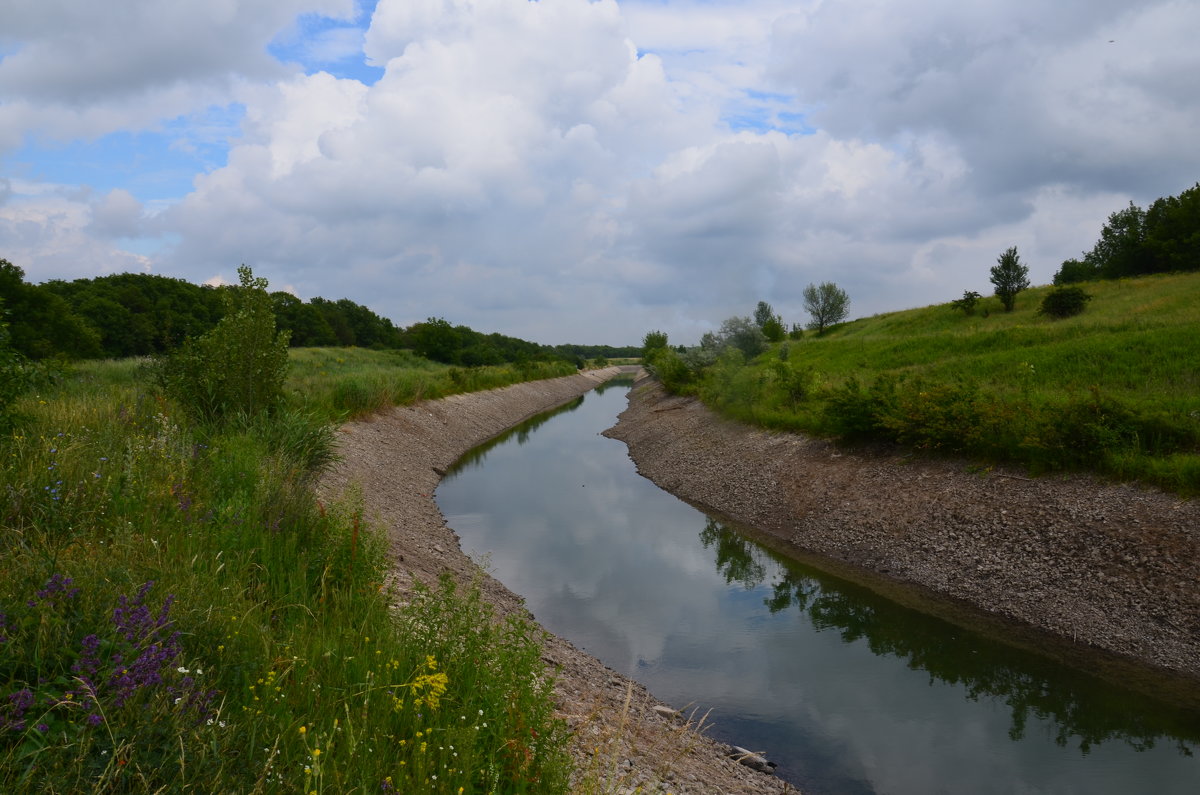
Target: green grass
(264,656)
(1114,390)
(344,383)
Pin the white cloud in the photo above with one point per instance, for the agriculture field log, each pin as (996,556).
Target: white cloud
(585,171)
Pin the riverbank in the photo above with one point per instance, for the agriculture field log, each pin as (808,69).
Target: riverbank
(622,737)
(1110,569)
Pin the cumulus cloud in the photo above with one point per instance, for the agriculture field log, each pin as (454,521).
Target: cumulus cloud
(585,171)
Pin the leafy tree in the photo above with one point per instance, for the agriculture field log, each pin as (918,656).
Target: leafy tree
(763,314)
(1074,271)
(653,342)
(1064,302)
(1172,232)
(1119,251)
(1009,277)
(42,324)
(797,332)
(967,302)
(744,335)
(236,368)
(827,303)
(14,375)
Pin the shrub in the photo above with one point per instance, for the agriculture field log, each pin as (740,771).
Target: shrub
(967,302)
(14,375)
(237,367)
(1064,302)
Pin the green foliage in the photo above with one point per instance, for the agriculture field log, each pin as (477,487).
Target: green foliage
(266,656)
(236,368)
(653,342)
(1074,271)
(968,302)
(743,334)
(1135,242)
(797,332)
(1064,302)
(14,374)
(827,303)
(1017,388)
(1009,277)
(42,324)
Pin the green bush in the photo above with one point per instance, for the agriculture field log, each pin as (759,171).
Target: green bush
(14,375)
(1064,302)
(237,367)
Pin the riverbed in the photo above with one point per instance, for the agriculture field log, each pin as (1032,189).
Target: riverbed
(847,690)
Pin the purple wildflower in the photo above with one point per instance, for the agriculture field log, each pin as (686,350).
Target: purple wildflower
(93,719)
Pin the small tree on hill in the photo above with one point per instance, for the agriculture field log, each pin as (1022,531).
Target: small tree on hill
(827,303)
(967,302)
(1009,277)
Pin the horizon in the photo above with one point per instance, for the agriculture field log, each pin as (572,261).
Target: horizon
(567,169)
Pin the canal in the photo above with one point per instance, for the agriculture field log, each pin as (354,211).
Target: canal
(848,691)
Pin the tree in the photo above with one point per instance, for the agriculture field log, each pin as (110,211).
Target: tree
(652,343)
(1009,277)
(239,366)
(967,302)
(745,335)
(827,303)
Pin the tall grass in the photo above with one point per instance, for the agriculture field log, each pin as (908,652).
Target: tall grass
(179,613)
(344,383)
(1114,390)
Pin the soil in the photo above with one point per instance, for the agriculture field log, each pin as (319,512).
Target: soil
(623,740)
(1103,575)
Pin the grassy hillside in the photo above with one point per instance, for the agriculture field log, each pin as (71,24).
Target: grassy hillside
(1115,389)
(179,613)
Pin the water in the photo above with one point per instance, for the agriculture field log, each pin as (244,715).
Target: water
(847,691)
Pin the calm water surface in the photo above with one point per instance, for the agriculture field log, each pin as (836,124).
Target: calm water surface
(847,691)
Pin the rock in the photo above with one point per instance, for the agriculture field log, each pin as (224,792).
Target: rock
(752,760)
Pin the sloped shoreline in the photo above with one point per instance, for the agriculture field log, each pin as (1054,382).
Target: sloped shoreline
(1110,570)
(623,738)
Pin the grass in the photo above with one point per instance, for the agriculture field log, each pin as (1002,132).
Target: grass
(344,383)
(179,612)
(1114,390)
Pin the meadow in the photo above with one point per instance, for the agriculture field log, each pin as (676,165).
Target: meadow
(179,612)
(1114,390)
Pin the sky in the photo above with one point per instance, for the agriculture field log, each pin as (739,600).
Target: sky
(585,172)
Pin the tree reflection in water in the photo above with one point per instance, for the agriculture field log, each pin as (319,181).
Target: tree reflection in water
(1080,707)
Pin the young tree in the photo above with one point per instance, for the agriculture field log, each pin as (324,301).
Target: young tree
(653,342)
(827,303)
(743,334)
(1009,277)
(967,302)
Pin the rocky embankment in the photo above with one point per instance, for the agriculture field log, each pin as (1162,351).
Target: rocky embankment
(1112,570)
(623,739)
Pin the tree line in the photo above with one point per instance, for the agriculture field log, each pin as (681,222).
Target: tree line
(1163,238)
(137,314)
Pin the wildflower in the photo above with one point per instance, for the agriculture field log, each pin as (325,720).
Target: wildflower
(303,729)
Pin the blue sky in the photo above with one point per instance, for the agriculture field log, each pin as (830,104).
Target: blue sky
(575,170)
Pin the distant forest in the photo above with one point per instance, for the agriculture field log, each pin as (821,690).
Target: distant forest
(137,314)
(1163,238)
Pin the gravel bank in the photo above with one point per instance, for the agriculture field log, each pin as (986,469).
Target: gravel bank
(396,458)
(1113,569)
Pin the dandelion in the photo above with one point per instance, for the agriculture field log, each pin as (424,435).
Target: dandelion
(303,729)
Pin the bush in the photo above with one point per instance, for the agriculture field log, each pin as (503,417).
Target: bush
(967,302)
(1064,302)
(14,375)
(239,366)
